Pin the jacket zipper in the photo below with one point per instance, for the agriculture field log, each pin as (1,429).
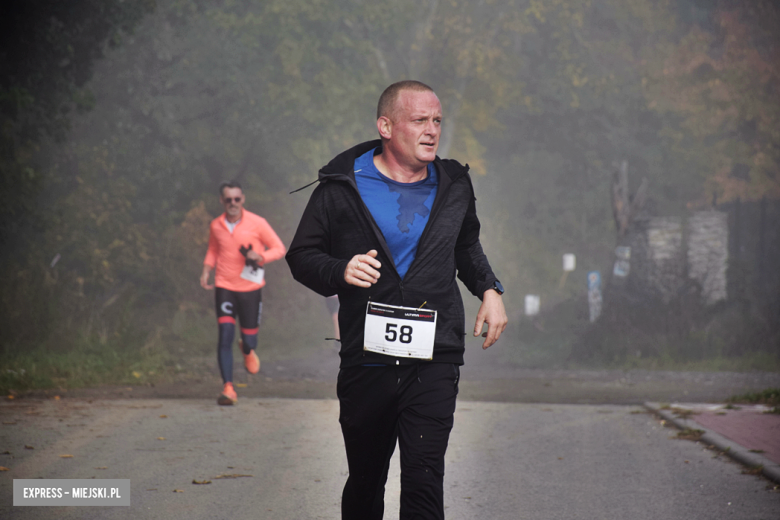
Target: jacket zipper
(435,212)
(374,228)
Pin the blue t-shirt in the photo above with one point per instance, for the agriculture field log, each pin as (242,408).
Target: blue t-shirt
(400,210)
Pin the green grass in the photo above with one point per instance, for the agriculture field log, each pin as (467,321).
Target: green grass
(132,356)
(90,362)
(769,397)
(746,363)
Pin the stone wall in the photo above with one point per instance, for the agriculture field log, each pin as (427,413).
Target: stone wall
(667,253)
(708,253)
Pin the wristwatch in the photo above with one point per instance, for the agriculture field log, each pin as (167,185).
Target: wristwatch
(498,287)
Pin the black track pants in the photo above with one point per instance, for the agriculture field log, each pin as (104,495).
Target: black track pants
(413,404)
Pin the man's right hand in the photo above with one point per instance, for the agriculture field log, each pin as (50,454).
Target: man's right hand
(204,278)
(362,270)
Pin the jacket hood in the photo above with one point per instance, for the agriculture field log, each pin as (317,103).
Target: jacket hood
(344,163)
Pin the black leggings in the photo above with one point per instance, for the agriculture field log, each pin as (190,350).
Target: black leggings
(248,307)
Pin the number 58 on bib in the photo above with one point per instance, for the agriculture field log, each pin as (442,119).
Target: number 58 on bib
(399,331)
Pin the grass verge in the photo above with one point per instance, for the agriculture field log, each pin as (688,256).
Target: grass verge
(769,397)
(90,362)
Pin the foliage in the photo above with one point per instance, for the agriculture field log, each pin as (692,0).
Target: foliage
(539,98)
(722,86)
(84,361)
(769,396)
(48,52)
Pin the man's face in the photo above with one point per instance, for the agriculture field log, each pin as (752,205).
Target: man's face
(416,127)
(233,200)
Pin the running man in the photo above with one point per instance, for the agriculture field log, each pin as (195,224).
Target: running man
(240,244)
(387,229)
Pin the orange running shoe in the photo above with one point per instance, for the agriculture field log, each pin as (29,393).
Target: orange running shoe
(228,396)
(252,362)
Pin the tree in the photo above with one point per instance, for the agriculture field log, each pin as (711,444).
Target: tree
(48,51)
(720,88)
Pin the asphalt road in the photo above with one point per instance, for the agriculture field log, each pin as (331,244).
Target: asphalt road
(505,461)
(486,376)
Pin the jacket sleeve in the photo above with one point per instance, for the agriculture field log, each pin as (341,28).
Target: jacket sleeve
(268,237)
(211,254)
(309,256)
(473,267)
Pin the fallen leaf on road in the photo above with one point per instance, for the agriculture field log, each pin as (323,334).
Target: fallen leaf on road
(683,413)
(10,397)
(102,467)
(163,417)
(178,491)
(689,434)
(232,475)
(66,456)
(137,375)
(56,398)
(160,438)
(28,447)
(3,468)
(9,422)
(201,481)
(241,385)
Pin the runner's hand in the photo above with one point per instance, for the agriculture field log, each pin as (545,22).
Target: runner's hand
(252,255)
(362,270)
(204,279)
(493,313)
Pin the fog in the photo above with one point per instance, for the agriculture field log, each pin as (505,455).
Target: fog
(639,136)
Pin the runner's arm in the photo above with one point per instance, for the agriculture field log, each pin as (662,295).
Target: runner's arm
(309,257)
(275,249)
(210,261)
(473,267)
(475,272)
(204,277)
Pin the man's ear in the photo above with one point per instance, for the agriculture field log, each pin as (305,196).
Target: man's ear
(385,127)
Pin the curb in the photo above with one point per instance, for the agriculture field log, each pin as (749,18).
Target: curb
(770,469)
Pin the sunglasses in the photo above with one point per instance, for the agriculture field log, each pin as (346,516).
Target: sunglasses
(229,200)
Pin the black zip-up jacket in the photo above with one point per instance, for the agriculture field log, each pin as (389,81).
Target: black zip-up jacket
(337,225)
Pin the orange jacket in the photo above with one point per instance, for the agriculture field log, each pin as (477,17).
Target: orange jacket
(224,249)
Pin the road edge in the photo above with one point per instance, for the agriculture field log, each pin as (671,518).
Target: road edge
(769,469)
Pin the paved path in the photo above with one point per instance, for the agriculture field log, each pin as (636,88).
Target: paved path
(506,461)
(750,426)
(484,377)
(747,433)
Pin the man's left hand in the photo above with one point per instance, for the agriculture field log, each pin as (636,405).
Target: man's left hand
(491,312)
(252,255)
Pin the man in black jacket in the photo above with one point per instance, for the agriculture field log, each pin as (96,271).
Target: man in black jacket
(388,229)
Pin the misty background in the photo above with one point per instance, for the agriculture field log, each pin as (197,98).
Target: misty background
(651,124)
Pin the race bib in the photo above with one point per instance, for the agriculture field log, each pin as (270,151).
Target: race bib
(253,275)
(399,331)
